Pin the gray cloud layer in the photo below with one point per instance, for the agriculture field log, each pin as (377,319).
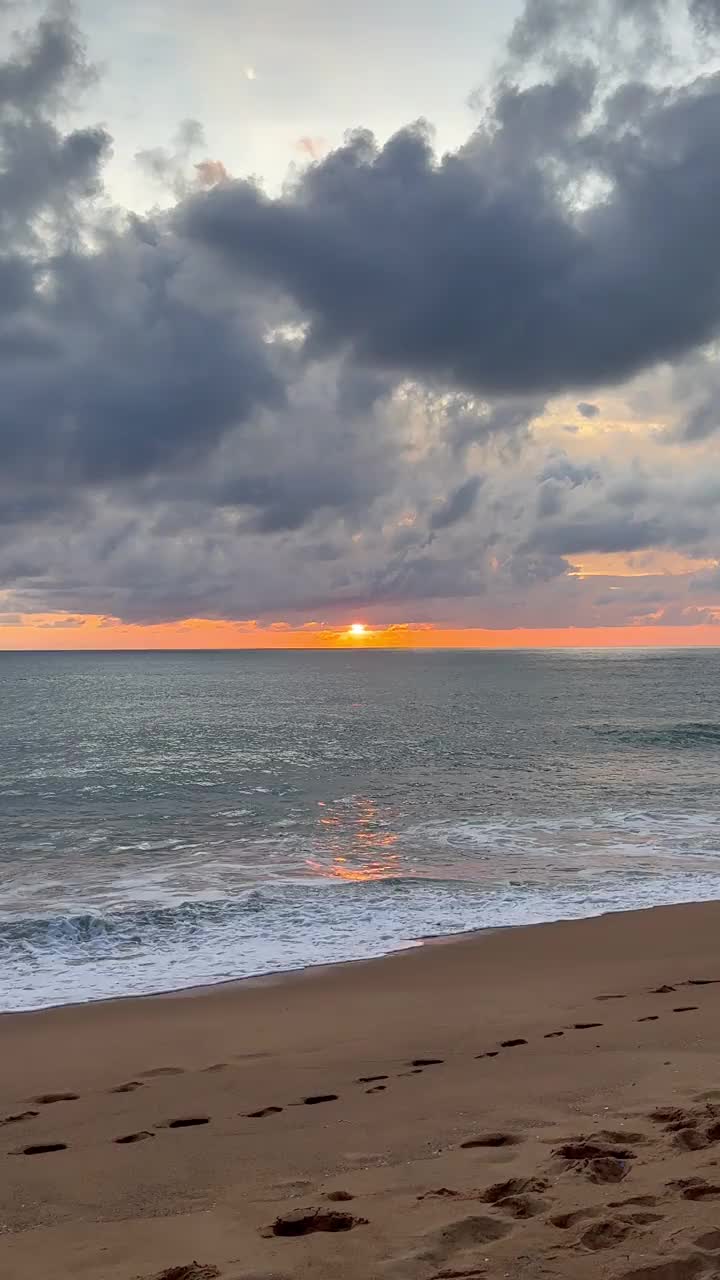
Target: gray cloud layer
(245,405)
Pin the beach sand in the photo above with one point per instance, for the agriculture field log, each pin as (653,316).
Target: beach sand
(534,1102)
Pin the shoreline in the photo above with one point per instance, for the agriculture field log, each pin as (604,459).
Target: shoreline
(195,990)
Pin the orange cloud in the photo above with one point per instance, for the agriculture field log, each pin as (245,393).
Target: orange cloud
(315,148)
(211,172)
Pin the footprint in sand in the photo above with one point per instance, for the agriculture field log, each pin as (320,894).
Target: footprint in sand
(427,1062)
(710,1241)
(604,1234)
(689,1139)
(315,1100)
(190,1271)
(600,1162)
(586,1026)
(370,1079)
(446,1193)
(456,1244)
(378,1088)
(491,1140)
(618,1136)
(650,1017)
(686,1008)
(585,1149)
(41,1149)
(662,991)
(511,1044)
(129,1087)
(701,1191)
(187,1122)
(304,1222)
(164,1071)
(46,1099)
(618,997)
(645,1201)
(517,1197)
(134,1137)
(552,1035)
(264,1111)
(692,1130)
(563,1221)
(669,1116)
(22,1115)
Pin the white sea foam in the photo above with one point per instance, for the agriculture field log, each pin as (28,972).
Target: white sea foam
(48,959)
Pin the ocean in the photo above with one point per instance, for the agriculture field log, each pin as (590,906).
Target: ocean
(175,819)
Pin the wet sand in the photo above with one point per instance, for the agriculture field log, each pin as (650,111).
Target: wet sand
(535,1102)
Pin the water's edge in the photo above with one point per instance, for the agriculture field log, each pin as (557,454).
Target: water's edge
(307,971)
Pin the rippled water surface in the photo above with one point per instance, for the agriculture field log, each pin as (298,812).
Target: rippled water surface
(172,819)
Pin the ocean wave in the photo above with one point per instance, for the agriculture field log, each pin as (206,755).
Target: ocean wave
(178,922)
(79,956)
(680,734)
(88,929)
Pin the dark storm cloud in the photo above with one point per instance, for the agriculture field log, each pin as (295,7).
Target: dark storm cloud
(612,533)
(508,420)
(558,478)
(115,359)
(458,505)
(548,30)
(44,65)
(471,272)
(44,173)
(579,536)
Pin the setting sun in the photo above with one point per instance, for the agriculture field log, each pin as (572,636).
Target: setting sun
(358,629)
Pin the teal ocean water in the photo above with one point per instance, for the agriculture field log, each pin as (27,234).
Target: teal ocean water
(174,819)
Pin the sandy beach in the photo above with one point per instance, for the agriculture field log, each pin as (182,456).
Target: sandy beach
(533,1102)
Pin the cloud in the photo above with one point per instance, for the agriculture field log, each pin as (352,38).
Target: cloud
(315,148)
(342,398)
(210,172)
(527,293)
(62,624)
(45,65)
(458,505)
(631,33)
(706,16)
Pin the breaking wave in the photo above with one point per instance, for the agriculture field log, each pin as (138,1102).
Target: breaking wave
(75,957)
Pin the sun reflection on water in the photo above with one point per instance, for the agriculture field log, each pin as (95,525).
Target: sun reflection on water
(355,840)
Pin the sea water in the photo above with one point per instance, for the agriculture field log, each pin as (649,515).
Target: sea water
(174,819)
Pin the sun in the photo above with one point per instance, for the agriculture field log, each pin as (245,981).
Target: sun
(358,629)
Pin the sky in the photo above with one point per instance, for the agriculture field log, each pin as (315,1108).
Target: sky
(401,315)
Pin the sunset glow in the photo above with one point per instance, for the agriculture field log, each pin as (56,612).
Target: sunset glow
(51,632)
